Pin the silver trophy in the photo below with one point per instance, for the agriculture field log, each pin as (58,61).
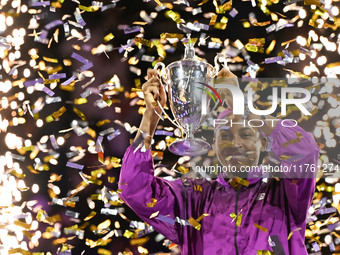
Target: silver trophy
(189,83)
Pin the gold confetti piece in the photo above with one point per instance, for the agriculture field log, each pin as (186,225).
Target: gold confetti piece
(99,242)
(202,216)
(158,2)
(16,174)
(216,40)
(111,179)
(102,122)
(55,35)
(22,224)
(55,69)
(286,42)
(241,181)
(56,114)
(233,216)
(18,250)
(51,60)
(144,42)
(128,234)
(221,26)
(332,65)
(164,36)
(291,233)
(224,19)
(228,158)
(183,170)
(261,24)
(155,214)
(139,241)
(89,8)
(194,223)
(264,252)
(91,133)
(90,216)
(173,15)
(260,227)
(254,48)
(271,47)
(94,173)
(239,219)
(152,203)
(311,2)
(102,251)
(198,187)
(246,24)
(213,20)
(51,81)
(79,113)
(105,224)
(80,101)
(141,23)
(296,140)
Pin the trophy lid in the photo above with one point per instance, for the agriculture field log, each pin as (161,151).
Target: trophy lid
(189,48)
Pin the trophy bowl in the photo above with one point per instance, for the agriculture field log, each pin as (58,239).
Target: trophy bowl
(189,83)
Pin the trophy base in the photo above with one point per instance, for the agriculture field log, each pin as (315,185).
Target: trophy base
(189,147)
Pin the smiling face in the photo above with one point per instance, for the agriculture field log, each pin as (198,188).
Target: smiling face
(238,145)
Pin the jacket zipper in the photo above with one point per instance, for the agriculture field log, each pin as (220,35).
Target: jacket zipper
(235,236)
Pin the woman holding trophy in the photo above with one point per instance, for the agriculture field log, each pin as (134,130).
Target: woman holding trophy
(234,215)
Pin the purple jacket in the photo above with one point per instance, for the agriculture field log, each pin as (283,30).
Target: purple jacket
(271,209)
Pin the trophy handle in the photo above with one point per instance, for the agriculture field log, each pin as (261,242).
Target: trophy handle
(217,59)
(162,73)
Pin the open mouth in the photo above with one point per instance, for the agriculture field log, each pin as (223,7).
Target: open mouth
(236,157)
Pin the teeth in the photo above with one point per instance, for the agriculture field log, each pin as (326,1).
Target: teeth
(238,156)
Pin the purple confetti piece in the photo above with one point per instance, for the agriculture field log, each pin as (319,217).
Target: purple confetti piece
(316,246)
(86,66)
(74,165)
(69,80)
(270,143)
(325,211)
(99,142)
(66,29)
(331,227)
(163,132)
(121,49)
(57,76)
(233,12)
(79,18)
(54,24)
(248,78)
(113,135)
(40,16)
(133,29)
(47,3)
(40,40)
(43,34)
(271,28)
(48,91)
(79,58)
(166,219)
(272,60)
(33,82)
(13,69)
(54,142)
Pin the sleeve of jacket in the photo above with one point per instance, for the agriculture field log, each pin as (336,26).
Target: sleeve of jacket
(299,156)
(139,185)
